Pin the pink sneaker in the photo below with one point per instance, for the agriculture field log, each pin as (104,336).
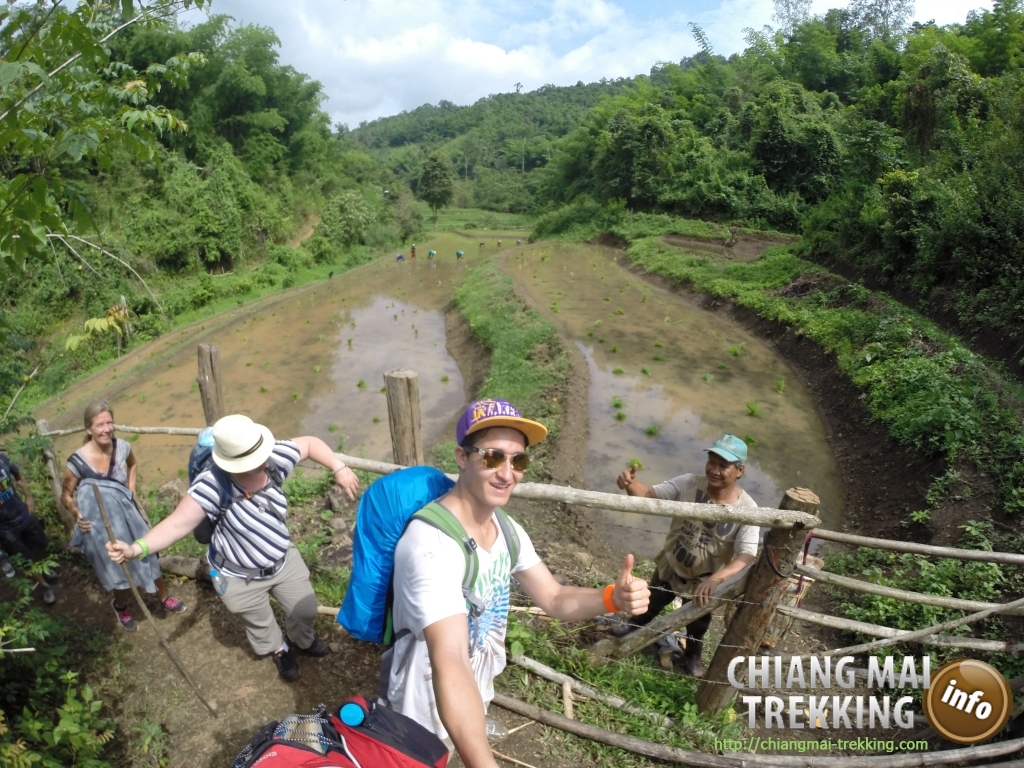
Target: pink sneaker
(174,605)
(124,616)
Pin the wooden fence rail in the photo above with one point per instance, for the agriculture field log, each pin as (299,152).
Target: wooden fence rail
(972,555)
(858,585)
(875,630)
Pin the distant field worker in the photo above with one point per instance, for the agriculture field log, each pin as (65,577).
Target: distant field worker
(110,465)
(399,257)
(251,555)
(458,255)
(698,557)
(412,251)
(431,254)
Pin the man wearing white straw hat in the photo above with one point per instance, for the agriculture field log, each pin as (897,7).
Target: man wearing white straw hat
(251,556)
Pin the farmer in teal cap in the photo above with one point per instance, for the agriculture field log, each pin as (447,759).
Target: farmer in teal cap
(697,556)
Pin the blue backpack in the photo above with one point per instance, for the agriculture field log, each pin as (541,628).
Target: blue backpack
(385,510)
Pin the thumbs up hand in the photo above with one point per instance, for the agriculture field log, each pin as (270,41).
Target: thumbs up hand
(631,594)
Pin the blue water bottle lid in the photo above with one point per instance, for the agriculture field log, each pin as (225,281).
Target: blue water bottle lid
(206,437)
(352,714)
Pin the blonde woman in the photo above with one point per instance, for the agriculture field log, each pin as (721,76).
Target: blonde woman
(109,464)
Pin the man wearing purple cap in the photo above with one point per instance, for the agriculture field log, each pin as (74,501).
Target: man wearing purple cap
(447,652)
(698,557)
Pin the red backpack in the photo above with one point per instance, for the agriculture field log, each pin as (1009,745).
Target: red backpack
(360,734)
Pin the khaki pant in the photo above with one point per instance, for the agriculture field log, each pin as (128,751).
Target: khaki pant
(291,588)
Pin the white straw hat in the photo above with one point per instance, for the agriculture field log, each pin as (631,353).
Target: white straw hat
(240,444)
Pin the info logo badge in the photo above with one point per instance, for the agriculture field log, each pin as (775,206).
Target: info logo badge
(968,702)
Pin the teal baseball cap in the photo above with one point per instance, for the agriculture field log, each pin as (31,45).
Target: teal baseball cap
(730,448)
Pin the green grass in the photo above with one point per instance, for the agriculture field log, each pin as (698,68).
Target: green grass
(620,415)
(780,385)
(637,679)
(445,378)
(652,431)
(616,402)
(753,408)
(617,371)
(708,377)
(479,219)
(513,331)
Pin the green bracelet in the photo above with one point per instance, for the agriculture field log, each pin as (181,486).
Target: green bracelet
(144,546)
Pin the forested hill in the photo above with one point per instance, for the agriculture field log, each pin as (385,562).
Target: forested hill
(493,143)
(898,151)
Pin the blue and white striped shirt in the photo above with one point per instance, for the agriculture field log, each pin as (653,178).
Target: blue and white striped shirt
(252,531)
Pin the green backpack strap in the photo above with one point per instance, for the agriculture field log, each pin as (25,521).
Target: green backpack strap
(511,537)
(436,515)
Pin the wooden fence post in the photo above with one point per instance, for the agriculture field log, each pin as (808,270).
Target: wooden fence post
(54,479)
(209,383)
(403,388)
(764,590)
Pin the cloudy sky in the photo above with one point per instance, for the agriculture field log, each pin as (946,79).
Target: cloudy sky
(379,57)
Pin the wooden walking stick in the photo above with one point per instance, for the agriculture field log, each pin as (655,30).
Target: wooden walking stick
(145,610)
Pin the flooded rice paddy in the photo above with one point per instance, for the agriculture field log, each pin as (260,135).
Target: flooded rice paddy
(309,361)
(667,378)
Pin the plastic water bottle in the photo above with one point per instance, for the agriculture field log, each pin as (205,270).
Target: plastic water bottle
(352,714)
(220,581)
(5,565)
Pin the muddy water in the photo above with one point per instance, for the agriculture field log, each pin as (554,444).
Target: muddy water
(309,361)
(711,370)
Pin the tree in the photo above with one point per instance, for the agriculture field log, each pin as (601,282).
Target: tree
(61,104)
(791,13)
(437,182)
(885,19)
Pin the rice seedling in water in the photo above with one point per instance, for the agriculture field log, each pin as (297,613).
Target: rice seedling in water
(619,311)
(600,340)
(614,349)
(376,420)
(652,431)
(749,440)
(620,415)
(753,408)
(349,342)
(658,344)
(248,365)
(736,350)
(616,402)
(445,378)
(658,358)
(383,389)
(721,366)
(780,385)
(606,298)
(597,322)
(645,372)
(316,369)
(667,320)
(361,384)
(590,333)
(295,395)
(142,399)
(635,463)
(320,337)
(617,371)
(708,377)
(332,427)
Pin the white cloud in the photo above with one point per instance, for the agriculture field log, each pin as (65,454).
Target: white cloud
(378,57)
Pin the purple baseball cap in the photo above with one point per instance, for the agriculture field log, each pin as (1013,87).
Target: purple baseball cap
(484,414)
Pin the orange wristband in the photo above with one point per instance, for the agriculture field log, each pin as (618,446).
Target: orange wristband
(609,604)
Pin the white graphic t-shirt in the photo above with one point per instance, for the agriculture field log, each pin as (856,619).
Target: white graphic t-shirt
(429,568)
